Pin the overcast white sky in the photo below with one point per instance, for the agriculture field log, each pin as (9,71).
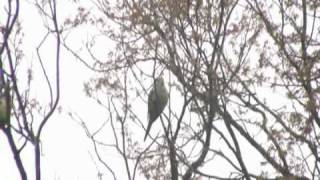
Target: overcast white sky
(65,147)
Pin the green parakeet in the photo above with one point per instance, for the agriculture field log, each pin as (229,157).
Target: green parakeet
(157,101)
(5,108)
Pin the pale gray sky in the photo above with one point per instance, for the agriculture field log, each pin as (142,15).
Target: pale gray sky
(67,152)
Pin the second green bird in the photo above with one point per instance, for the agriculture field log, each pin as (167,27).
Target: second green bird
(5,107)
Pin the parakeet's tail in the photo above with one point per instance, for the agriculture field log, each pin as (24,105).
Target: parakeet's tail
(145,137)
(147,131)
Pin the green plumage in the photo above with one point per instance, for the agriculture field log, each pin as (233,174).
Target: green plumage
(157,101)
(5,108)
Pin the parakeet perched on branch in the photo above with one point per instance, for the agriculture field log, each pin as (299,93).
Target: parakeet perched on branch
(5,107)
(157,101)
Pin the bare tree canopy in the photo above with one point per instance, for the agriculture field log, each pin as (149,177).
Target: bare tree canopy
(243,77)
(243,80)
